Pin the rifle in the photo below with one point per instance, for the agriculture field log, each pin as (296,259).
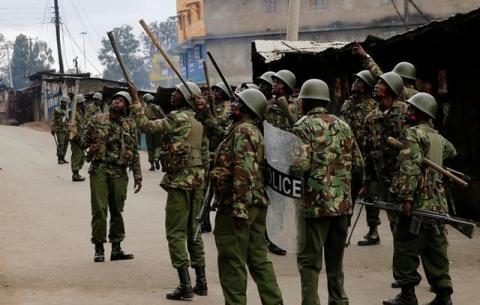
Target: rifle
(446,172)
(205,211)
(419,216)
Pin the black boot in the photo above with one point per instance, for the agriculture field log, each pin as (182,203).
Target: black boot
(442,298)
(99,253)
(371,238)
(60,160)
(406,297)
(184,290)
(64,161)
(206,225)
(157,164)
(201,281)
(275,249)
(76,177)
(118,254)
(152,167)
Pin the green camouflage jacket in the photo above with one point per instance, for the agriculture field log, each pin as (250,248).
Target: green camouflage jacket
(381,158)
(175,129)
(112,146)
(79,122)
(153,112)
(92,110)
(354,113)
(59,120)
(237,174)
(275,116)
(216,128)
(417,182)
(371,65)
(327,153)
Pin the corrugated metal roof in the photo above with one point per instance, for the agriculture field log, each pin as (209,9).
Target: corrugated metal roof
(273,50)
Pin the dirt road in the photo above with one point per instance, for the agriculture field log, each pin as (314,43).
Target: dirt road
(46,257)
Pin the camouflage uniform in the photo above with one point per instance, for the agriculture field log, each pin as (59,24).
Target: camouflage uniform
(380,157)
(275,116)
(60,127)
(78,154)
(92,110)
(238,182)
(184,155)
(113,147)
(354,112)
(370,64)
(328,153)
(423,187)
(216,127)
(154,141)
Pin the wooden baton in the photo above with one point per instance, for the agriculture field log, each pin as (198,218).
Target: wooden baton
(220,74)
(114,44)
(164,54)
(396,143)
(210,95)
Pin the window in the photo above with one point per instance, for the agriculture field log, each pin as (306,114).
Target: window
(316,4)
(271,6)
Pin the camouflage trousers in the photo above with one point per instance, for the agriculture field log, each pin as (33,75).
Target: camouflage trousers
(429,246)
(180,224)
(62,144)
(78,157)
(107,194)
(153,146)
(324,235)
(238,249)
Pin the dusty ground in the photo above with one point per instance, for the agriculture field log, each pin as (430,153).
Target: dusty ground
(46,256)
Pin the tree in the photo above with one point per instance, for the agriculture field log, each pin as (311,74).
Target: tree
(5,54)
(166,32)
(29,57)
(129,48)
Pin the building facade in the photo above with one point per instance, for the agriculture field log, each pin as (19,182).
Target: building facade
(227,27)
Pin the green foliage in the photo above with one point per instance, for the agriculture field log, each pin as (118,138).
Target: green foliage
(29,56)
(130,50)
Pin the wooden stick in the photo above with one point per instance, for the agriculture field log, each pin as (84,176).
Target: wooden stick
(220,73)
(114,44)
(164,54)
(210,95)
(394,142)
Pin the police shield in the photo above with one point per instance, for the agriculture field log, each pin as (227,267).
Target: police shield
(285,219)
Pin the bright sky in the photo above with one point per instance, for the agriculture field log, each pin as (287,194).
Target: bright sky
(95,17)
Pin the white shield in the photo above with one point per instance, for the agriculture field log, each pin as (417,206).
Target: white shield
(285,219)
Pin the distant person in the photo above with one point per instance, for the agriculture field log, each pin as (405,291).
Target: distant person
(94,108)
(59,128)
(153,112)
(78,154)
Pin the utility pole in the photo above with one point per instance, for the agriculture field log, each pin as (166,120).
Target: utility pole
(57,30)
(84,54)
(75,63)
(293,19)
(406,13)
